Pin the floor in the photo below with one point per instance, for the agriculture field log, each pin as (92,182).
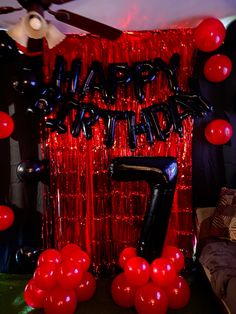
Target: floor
(202,300)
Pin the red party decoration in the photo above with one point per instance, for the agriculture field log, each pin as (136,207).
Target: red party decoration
(34,296)
(60,301)
(83,260)
(175,255)
(6,217)
(99,215)
(151,299)
(45,276)
(70,251)
(86,289)
(125,255)
(162,272)
(218,132)
(209,34)
(178,293)
(6,125)
(137,271)
(217,68)
(49,256)
(73,252)
(122,291)
(69,274)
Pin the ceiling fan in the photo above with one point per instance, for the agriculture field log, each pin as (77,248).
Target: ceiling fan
(33,25)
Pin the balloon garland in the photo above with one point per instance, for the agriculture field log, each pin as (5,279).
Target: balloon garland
(209,36)
(151,288)
(177,107)
(60,280)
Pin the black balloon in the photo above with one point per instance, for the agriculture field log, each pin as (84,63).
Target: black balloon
(119,74)
(161,174)
(48,97)
(111,117)
(95,81)
(26,259)
(58,75)
(26,81)
(170,71)
(8,49)
(57,124)
(151,113)
(74,77)
(143,72)
(33,171)
(83,122)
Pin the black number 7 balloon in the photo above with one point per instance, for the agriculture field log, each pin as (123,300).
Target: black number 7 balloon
(161,174)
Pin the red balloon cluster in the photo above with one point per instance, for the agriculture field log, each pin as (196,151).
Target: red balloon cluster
(218,132)
(209,36)
(6,125)
(60,281)
(151,288)
(6,217)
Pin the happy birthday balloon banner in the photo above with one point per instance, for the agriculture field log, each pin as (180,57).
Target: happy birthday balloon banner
(175,109)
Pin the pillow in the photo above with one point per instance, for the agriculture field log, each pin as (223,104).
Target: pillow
(224,218)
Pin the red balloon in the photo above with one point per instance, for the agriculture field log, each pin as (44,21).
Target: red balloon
(209,34)
(137,271)
(175,256)
(150,299)
(6,217)
(34,296)
(69,251)
(6,125)
(49,256)
(125,255)
(218,132)
(217,68)
(178,293)
(45,276)
(86,289)
(163,271)
(122,291)
(84,260)
(69,274)
(60,301)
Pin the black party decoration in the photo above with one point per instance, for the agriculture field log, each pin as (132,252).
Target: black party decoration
(177,107)
(33,171)
(26,81)
(26,259)
(8,49)
(161,175)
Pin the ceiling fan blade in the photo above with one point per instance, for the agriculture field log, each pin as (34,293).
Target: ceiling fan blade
(87,24)
(6,10)
(60,1)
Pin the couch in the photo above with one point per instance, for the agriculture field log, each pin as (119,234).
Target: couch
(216,253)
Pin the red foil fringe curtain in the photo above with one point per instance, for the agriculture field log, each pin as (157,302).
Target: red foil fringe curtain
(84,206)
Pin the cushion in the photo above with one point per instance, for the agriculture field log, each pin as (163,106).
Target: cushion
(224,218)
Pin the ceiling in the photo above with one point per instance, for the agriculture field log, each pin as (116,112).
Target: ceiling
(129,15)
